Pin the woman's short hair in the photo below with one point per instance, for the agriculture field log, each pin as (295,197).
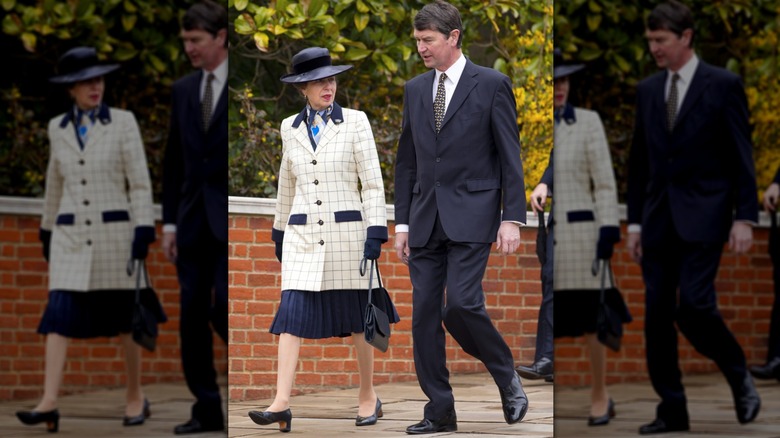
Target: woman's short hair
(439,16)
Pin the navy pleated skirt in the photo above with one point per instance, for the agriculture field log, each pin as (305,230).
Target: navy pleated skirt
(327,314)
(93,314)
(575,311)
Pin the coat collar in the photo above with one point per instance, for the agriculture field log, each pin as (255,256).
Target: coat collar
(336,116)
(103,114)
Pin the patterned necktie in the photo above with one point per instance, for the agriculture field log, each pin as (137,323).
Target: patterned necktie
(438,103)
(206,103)
(316,126)
(671,103)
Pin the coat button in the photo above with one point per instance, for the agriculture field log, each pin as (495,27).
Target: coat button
(89,242)
(88,222)
(83,182)
(314,162)
(322,242)
(438,160)
(81,162)
(320,222)
(318,202)
(86,202)
(316,181)
(438,184)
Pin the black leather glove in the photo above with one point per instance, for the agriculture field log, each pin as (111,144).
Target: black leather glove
(279,251)
(144,236)
(372,249)
(609,235)
(45,237)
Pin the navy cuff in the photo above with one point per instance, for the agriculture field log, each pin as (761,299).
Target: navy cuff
(277,235)
(609,233)
(145,233)
(377,232)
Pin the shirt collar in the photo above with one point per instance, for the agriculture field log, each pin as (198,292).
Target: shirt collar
(454,72)
(220,73)
(686,71)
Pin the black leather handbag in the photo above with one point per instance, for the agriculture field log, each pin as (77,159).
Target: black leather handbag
(376,324)
(144,324)
(609,324)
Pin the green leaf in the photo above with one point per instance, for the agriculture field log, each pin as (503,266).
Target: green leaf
(11,25)
(278,30)
(354,54)
(362,7)
(593,22)
(389,63)
(157,63)
(128,21)
(29,40)
(361,21)
(244,24)
(341,6)
(8,4)
(240,4)
(261,41)
(125,53)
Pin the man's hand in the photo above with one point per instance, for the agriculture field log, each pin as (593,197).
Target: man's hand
(169,246)
(634,246)
(740,237)
(539,197)
(508,238)
(770,196)
(402,247)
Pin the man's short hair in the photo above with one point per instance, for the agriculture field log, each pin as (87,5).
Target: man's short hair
(208,16)
(672,16)
(439,16)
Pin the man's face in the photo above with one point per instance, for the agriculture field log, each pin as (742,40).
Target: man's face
(203,48)
(669,50)
(437,50)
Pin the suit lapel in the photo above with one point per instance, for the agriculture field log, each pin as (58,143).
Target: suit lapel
(331,131)
(194,99)
(302,136)
(426,95)
(96,134)
(465,85)
(695,90)
(658,103)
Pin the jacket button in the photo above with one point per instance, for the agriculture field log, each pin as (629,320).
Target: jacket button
(88,222)
(81,162)
(322,242)
(86,202)
(316,181)
(438,184)
(438,160)
(320,222)
(314,162)
(318,202)
(89,242)
(83,182)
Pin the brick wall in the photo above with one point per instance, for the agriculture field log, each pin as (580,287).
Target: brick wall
(513,294)
(91,364)
(745,296)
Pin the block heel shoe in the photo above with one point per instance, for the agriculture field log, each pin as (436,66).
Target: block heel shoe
(51,418)
(371,419)
(284,418)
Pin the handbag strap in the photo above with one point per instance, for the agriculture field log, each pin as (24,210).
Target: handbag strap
(374,267)
(606,265)
(139,266)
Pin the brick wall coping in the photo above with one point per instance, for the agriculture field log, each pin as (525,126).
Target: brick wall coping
(20,205)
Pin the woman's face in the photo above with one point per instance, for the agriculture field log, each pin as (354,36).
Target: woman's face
(320,93)
(561,86)
(89,93)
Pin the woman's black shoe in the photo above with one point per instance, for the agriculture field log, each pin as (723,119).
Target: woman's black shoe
(604,419)
(371,419)
(284,419)
(51,418)
(140,418)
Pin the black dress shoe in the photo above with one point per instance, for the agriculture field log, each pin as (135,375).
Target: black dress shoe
(660,426)
(195,426)
(514,401)
(284,418)
(51,418)
(541,369)
(771,370)
(604,419)
(371,419)
(140,418)
(746,401)
(447,423)
(549,379)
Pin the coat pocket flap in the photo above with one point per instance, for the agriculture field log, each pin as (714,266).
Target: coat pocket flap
(478,185)
(66,219)
(116,216)
(297,219)
(348,216)
(580,216)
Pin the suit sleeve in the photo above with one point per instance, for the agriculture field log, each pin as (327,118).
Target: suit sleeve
(507,139)
(737,116)
(405,166)
(601,173)
(547,176)
(370,174)
(136,172)
(286,187)
(637,167)
(173,165)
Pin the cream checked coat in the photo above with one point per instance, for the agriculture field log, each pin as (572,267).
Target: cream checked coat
(88,207)
(321,215)
(585,198)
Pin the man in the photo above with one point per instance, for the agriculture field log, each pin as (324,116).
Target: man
(195,206)
(691,188)
(542,367)
(458,164)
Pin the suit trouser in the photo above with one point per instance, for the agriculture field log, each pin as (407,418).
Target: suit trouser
(459,267)
(691,267)
(544,326)
(202,271)
(774,322)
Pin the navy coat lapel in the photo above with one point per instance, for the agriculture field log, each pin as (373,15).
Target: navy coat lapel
(426,94)
(696,88)
(466,83)
(193,105)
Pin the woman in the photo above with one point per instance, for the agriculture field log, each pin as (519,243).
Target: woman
(320,227)
(97,217)
(586,222)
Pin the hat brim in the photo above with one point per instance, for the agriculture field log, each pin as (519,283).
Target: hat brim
(84,74)
(316,74)
(566,70)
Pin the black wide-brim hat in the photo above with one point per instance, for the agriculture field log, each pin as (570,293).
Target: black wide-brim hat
(560,69)
(79,64)
(312,64)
